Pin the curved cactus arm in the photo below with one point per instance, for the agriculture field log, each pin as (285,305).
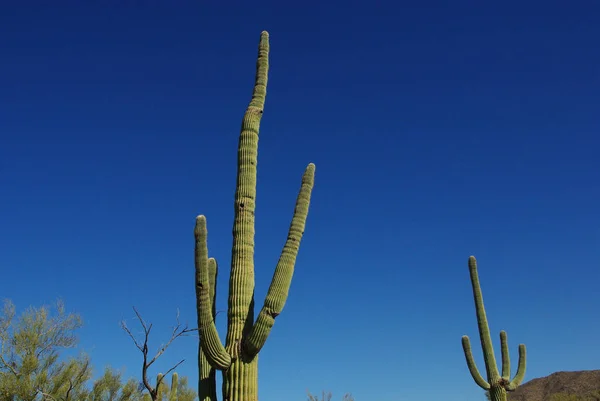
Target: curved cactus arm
(207,386)
(482,323)
(209,337)
(516,381)
(471,364)
(505,356)
(282,278)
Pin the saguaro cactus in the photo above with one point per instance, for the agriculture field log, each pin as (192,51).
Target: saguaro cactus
(496,384)
(238,359)
(162,390)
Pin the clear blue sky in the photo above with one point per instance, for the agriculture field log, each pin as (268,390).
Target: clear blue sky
(439,130)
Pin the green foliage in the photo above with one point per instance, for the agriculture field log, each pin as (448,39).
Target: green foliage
(31,368)
(178,390)
(110,387)
(245,336)
(29,353)
(565,397)
(593,396)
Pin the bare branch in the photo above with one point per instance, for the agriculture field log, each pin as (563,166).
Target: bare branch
(178,331)
(124,327)
(174,367)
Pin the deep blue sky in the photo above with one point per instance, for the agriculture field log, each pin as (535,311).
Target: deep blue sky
(439,130)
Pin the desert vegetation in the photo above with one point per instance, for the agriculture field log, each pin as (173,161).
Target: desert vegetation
(32,367)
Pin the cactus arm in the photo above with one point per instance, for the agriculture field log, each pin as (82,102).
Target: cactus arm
(282,278)
(207,386)
(482,323)
(209,337)
(471,364)
(213,270)
(505,356)
(174,385)
(160,387)
(516,381)
(241,282)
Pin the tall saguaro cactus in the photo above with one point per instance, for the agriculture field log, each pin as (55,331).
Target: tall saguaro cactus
(496,384)
(238,358)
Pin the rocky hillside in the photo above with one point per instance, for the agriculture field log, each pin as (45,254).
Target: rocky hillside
(561,386)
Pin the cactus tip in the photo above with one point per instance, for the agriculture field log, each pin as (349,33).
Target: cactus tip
(309,174)
(472,262)
(264,39)
(200,225)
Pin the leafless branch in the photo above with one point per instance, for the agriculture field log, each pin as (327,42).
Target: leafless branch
(178,331)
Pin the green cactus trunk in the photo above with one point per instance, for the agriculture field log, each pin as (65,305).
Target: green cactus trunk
(497,385)
(498,393)
(238,359)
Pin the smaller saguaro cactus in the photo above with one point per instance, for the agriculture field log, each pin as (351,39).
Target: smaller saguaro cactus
(497,385)
(163,390)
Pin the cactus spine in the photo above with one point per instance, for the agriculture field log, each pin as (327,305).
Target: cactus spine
(238,359)
(496,384)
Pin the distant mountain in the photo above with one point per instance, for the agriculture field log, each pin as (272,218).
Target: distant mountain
(560,386)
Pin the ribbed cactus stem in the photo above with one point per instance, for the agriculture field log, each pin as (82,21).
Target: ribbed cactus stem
(482,323)
(240,314)
(174,385)
(160,387)
(207,385)
(245,337)
(496,384)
